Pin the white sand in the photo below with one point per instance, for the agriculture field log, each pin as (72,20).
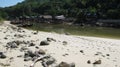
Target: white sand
(89,45)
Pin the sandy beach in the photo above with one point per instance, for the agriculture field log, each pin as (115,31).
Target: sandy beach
(82,51)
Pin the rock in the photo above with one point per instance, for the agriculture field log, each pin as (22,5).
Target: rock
(81,51)
(50,61)
(11,45)
(23,48)
(43,43)
(35,32)
(97,62)
(50,39)
(63,64)
(5,38)
(31,44)
(19,56)
(29,53)
(27,59)
(64,42)
(2,56)
(72,64)
(107,54)
(37,47)
(41,51)
(89,62)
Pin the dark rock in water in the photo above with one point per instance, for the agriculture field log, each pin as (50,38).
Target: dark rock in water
(97,62)
(43,43)
(31,44)
(2,56)
(63,64)
(89,62)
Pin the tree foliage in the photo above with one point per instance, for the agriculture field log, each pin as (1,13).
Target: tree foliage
(108,9)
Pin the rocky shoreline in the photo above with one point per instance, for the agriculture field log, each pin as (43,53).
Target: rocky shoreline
(20,47)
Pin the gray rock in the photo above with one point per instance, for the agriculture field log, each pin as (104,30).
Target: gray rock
(97,62)
(41,51)
(31,44)
(50,61)
(50,39)
(29,53)
(72,64)
(63,64)
(64,42)
(2,56)
(27,59)
(43,43)
(81,51)
(89,62)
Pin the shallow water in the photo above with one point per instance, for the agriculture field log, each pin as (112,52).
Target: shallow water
(78,30)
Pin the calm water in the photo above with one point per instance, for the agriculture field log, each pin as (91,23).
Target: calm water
(78,30)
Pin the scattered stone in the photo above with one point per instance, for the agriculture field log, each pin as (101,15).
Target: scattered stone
(19,56)
(23,48)
(64,42)
(31,44)
(107,54)
(72,65)
(11,45)
(29,53)
(97,62)
(5,38)
(81,51)
(2,56)
(41,51)
(27,59)
(37,47)
(89,62)
(4,65)
(63,64)
(50,61)
(65,54)
(51,39)
(43,43)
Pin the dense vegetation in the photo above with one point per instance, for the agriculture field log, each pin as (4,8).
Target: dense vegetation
(70,8)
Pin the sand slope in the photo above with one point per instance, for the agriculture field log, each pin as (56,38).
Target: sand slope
(79,49)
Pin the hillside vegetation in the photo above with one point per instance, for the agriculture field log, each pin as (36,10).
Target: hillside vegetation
(107,9)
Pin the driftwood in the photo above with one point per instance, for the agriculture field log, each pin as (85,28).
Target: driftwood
(38,59)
